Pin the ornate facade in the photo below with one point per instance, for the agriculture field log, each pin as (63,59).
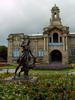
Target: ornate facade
(56,44)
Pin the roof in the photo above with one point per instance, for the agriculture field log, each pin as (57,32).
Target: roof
(36,34)
(71,35)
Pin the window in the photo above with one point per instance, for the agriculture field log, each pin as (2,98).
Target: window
(49,39)
(55,37)
(55,15)
(73,52)
(40,53)
(15,52)
(60,39)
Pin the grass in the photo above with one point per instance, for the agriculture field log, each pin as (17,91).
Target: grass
(64,71)
(51,85)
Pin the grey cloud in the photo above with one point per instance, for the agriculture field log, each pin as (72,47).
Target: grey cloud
(30,16)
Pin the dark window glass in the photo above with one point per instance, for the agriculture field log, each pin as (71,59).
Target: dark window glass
(60,39)
(50,39)
(73,52)
(55,37)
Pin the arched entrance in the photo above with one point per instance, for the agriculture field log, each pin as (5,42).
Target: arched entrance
(56,56)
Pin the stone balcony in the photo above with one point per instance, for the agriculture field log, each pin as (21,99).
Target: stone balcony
(55,44)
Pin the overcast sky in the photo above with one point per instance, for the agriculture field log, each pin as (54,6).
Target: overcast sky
(30,16)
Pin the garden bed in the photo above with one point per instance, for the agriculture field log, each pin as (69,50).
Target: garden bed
(54,66)
(51,85)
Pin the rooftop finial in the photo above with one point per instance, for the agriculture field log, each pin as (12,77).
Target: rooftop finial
(55,5)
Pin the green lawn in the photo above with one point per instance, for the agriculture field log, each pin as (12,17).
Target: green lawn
(51,85)
(41,71)
(51,72)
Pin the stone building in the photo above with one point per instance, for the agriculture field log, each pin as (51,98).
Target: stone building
(55,44)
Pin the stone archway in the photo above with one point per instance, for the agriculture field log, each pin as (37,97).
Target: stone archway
(56,56)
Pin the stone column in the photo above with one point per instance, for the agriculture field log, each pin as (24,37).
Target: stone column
(36,47)
(63,43)
(58,38)
(47,43)
(44,44)
(66,42)
(65,53)
(52,38)
(10,51)
(46,49)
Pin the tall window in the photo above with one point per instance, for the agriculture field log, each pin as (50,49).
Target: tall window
(55,37)
(73,52)
(55,15)
(49,39)
(15,53)
(40,53)
(60,39)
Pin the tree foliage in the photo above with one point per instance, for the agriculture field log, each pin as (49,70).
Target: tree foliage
(3,53)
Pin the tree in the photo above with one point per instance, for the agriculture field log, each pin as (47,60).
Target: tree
(3,53)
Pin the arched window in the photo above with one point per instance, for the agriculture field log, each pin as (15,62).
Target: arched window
(55,15)
(55,37)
